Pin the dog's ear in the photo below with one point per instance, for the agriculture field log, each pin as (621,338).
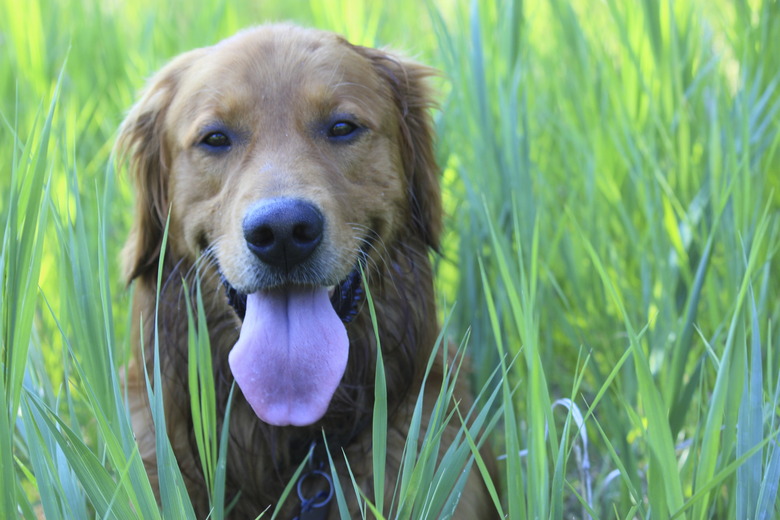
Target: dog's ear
(142,143)
(414,100)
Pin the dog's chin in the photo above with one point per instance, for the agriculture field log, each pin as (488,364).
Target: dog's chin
(346,296)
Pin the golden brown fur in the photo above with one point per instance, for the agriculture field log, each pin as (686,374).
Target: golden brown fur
(273,87)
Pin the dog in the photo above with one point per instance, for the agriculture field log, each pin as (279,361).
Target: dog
(294,173)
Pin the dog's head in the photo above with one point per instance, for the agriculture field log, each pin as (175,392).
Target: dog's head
(288,158)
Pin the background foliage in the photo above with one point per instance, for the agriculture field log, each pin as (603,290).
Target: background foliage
(612,184)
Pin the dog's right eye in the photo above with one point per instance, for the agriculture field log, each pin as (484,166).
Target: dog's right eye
(216,141)
(342,129)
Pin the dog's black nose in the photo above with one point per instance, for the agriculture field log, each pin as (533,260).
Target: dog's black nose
(283,232)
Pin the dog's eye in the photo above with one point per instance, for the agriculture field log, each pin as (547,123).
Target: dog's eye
(342,129)
(216,140)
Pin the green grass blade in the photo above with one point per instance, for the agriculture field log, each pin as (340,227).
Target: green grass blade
(201,386)
(751,425)
(290,484)
(379,424)
(767,496)
(173,493)
(8,493)
(483,470)
(699,498)
(683,347)
(23,272)
(220,473)
(516,496)
(669,493)
(98,484)
(728,386)
(341,500)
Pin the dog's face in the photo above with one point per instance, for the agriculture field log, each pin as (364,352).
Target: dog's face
(287,157)
(271,133)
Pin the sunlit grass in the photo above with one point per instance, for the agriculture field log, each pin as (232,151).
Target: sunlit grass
(612,185)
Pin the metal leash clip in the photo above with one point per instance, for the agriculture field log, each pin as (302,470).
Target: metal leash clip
(316,507)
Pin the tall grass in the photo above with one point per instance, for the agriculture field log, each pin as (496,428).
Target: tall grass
(612,183)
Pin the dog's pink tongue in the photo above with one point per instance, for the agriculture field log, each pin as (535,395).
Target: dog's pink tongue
(291,354)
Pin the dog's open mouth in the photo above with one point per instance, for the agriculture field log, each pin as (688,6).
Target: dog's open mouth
(345,297)
(293,347)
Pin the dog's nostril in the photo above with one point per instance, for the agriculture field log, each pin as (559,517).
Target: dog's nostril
(305,233)
(263,237)
(283,232)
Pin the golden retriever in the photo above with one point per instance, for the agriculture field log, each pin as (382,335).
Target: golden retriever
(287,161)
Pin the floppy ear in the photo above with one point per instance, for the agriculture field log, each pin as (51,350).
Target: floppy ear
(413,98)
(143,144)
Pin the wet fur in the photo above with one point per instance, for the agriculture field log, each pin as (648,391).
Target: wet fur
(381,196)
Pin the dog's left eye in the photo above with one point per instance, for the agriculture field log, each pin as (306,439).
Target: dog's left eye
(216,140)
(342,129)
